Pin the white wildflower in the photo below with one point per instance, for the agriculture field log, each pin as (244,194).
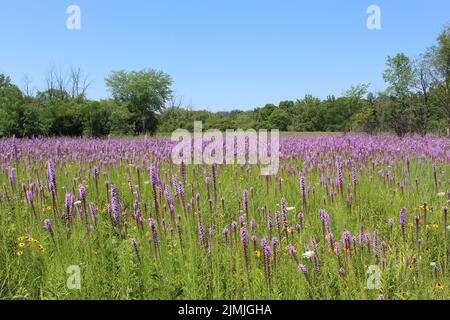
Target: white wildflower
(308,254)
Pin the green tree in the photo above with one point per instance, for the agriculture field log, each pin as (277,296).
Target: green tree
(399,75)
(120,120)
(441,63)
(35,121)
(279,119)
(95,117)
(11,110)
(144,92)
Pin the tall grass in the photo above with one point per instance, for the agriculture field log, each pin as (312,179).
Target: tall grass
(173,268)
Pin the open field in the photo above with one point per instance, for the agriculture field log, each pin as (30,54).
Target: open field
(139,227)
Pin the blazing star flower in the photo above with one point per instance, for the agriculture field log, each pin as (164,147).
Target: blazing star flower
(134,245)
(244,237)
(346,240)
(51,173)
(293,252)
(303,191)
(254,239)
(330,239)
(325,219)
(375,244)
(402,221)
(82,193)
(266,251)
(340,174)
(277,220)
(445,213)
(313,243)
(29,195)
(202,235)
(342,272)
(284,212)
(225,233)
(303,270)
(252,225)
(245,201)
(151,224)
(275,242)
(300,217)
(242,221)
(391,223)
(93,211)
(337,248)
(361,236)
(115,203)
(354,177)
(48,227)
(153,175)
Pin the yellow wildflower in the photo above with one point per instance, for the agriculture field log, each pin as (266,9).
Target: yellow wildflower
(439,286)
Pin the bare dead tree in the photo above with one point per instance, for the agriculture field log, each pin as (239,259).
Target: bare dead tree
(61,80)
(78,82)
(27,86)
(56,83)
(66,84)
(175,101)
(422,82)
(50,81)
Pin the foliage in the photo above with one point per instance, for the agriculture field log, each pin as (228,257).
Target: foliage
(144,92)
(416,101)
(354,191)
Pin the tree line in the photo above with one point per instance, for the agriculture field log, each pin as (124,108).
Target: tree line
(416,101)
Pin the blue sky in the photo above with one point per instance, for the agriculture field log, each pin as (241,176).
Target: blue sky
(222,54)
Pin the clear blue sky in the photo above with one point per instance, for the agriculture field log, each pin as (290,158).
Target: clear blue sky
(222,54)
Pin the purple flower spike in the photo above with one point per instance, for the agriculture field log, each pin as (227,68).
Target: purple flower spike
(225,233)
(82,192)
(245,201)
(304,271)
(244,237)
(402,221)
(293,252)
(48,225)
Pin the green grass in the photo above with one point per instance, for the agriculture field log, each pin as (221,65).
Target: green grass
(110,268)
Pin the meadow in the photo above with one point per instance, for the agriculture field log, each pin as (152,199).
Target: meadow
(346,217)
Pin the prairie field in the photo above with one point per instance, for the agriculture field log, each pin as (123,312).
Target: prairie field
(346,217)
